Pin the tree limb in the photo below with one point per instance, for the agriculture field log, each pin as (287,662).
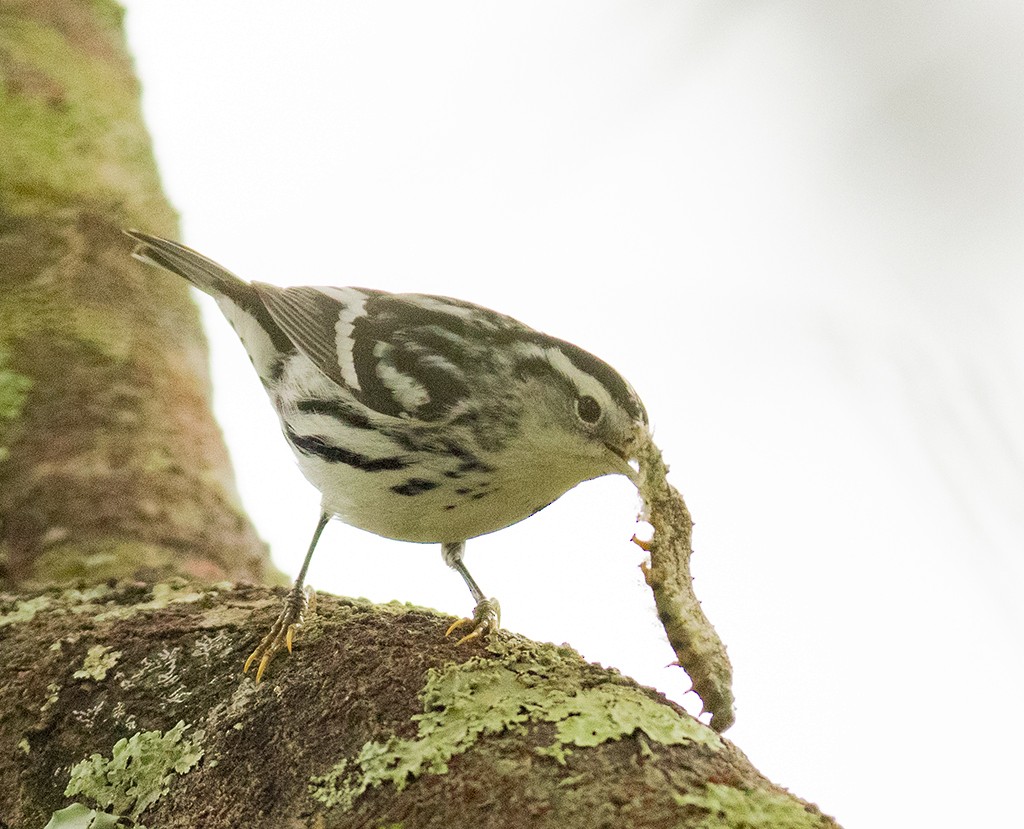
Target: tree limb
(375,720)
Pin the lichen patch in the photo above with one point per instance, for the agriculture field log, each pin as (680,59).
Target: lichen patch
(98,660)
(480,697)
(730,807)
(138,772)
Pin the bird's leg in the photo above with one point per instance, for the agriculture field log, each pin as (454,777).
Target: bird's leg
(299,599)
(487,613)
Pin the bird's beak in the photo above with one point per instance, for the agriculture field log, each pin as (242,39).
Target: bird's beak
(627,462)
(624,462)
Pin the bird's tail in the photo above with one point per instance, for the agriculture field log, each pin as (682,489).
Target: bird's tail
(238,300)
(204,273)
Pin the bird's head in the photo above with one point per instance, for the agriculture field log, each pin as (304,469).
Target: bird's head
(582,415)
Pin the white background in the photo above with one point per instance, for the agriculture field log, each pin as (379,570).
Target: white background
(794,226)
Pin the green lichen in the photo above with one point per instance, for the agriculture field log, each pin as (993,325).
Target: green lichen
(25,610)
(176,591)
(397,607)
(479,697)
(334,788)
(728,807)
(77,816)
(98,660)
(89,601)
(53,694)
(84,600)
(595,716)
(139,771)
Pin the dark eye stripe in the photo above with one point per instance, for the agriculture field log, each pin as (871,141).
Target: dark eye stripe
(586,362)
(608,377)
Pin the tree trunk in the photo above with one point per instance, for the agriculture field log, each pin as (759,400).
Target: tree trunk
(111,465)
(121,691)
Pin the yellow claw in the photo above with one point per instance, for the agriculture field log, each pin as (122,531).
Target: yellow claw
(283,632)
(475,633)
(486,618)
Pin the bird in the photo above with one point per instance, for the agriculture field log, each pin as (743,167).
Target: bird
(419,418)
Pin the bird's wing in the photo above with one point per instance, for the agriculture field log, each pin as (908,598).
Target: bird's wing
(402,355)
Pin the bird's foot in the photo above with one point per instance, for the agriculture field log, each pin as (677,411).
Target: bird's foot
(486,618)
(283,632)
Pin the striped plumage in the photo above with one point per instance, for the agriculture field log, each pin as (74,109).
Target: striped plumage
(421,418)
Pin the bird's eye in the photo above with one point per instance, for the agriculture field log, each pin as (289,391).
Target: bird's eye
(588,409)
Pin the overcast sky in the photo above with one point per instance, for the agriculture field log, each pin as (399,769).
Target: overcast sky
(795,227)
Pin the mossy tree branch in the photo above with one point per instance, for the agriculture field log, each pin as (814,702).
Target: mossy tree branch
(375,720)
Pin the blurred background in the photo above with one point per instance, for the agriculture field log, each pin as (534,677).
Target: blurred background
(794,226)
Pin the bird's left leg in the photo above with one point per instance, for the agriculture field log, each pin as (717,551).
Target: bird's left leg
(299,599)
(487,613)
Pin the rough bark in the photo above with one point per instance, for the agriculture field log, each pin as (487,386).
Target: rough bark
(120,697)
(110,462)
(375,720)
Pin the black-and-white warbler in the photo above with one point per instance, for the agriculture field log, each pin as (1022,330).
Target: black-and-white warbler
(419,418)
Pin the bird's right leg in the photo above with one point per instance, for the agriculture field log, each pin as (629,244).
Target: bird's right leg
(299,599)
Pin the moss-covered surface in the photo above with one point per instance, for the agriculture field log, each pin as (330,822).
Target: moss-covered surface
(729,807)
(69,113)
(24,610)
(507,691)
(111,464)
(134,705)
